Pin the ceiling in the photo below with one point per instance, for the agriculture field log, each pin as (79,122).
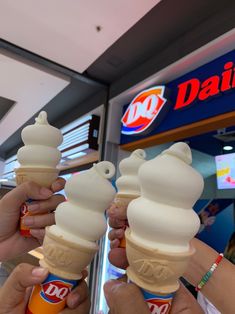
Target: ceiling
(71,33)
(69,56)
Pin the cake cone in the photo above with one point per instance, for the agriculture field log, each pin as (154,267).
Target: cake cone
(38,158)
(128,184)
(70,245)
(162,223)
(156,272)
(42,176)
(65,259)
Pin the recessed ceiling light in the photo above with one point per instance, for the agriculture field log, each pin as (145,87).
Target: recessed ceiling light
(228,147)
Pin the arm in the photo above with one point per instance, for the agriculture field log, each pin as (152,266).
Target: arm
(221,286)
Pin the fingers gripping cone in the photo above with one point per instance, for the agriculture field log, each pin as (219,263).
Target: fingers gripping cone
(38,158)
(70,244)
(162,223)
(128,183)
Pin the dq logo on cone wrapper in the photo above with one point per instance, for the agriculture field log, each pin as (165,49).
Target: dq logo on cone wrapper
(50,296)
(24,231)
(158,304)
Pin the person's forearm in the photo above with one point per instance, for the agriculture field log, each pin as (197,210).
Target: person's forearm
(220,288)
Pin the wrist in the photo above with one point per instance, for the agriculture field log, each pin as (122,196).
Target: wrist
(200,262)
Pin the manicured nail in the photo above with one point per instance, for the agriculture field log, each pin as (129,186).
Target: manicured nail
(58,185)
(33,207)
(111,286)
(45,192)
(115,244)
(38,233)
(114,211)
(73,300)
(28,221)
(120,233)
(39,272)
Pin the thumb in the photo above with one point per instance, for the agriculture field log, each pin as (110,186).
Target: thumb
(13,292)
(124,298)
(28,190)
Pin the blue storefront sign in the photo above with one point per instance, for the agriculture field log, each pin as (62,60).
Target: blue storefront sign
(203,93)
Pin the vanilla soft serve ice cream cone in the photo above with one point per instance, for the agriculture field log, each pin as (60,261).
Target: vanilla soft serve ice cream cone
(38,158)
(162,223)
(70,244)
(128,183)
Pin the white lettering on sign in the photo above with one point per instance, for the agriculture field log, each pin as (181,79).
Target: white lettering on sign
(146,109)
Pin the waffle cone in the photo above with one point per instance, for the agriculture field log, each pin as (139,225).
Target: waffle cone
(63,258)
(42,176)
(153,270)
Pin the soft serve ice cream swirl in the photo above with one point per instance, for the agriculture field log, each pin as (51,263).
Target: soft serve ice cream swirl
(81,219)
(128,182)
(41,141)
(163,218)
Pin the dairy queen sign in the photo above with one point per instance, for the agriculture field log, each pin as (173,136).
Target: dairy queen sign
(195,96)
(144,109)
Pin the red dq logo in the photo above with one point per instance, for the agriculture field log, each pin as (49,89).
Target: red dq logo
(158,307)
(55,291)
(143,110)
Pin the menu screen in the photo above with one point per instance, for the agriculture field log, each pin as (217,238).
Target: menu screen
(225,171)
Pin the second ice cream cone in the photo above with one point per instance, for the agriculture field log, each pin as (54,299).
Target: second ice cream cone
(70,244)
(64,258)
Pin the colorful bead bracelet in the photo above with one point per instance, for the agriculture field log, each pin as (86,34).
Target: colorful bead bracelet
(207,276)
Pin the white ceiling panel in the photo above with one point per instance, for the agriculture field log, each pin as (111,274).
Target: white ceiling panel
(30,86)
(65,31)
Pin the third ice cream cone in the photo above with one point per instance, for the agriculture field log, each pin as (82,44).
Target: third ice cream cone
(122,201)
(128,184)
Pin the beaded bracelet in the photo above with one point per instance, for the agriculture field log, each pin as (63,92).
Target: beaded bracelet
(207,276)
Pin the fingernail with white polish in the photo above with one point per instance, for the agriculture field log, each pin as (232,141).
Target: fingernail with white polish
(73,300)
(33,207)
(39,272)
